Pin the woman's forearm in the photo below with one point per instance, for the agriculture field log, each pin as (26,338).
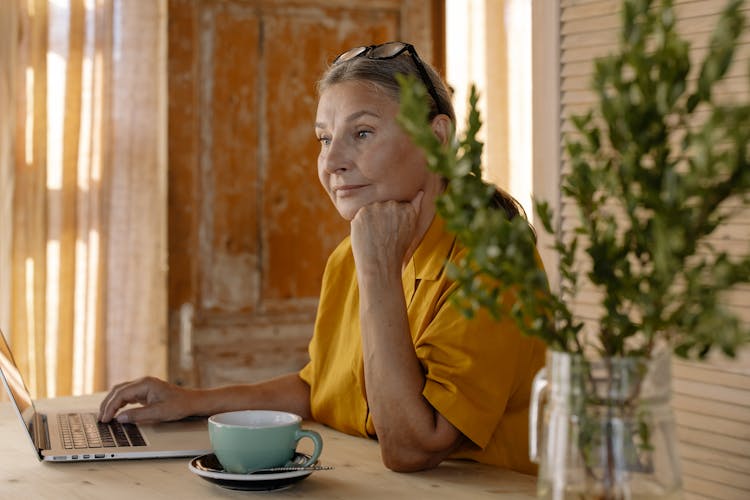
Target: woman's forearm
(412,434)
(161,401)
(285,393)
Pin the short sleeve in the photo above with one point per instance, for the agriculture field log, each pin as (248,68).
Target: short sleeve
(471,368)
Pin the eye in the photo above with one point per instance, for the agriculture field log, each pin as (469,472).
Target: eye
(324,140)
(363,133)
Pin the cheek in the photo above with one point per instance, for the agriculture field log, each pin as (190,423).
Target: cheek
(322,174)
(404,166)
(325,180)
(384,163)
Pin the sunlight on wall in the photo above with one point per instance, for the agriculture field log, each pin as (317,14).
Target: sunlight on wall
(500,67)
(518,29)
(465,55)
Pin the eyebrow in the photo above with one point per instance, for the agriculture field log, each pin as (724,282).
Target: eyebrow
(354,116)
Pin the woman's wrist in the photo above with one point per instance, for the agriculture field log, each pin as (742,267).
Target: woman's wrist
(202,402)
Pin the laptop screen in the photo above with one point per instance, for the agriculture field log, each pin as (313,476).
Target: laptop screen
(14,383)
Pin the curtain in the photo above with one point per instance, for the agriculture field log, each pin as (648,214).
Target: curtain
(8,49)
(86,250)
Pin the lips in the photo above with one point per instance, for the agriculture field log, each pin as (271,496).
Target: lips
(347,189)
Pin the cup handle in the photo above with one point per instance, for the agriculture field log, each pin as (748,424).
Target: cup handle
(317,441)
(538,386)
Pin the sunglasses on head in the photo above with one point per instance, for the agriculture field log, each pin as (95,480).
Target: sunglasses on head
(389,50)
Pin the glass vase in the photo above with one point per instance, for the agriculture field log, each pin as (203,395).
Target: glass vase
(606,429)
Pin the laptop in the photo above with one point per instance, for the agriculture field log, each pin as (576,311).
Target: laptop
(74,434)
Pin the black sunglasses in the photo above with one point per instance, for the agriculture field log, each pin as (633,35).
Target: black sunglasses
(389,50)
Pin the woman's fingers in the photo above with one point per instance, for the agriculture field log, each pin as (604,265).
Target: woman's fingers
(416,203)
(380,234)
(151,413)
(138,391)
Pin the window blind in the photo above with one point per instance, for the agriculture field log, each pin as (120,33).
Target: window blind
(711,399)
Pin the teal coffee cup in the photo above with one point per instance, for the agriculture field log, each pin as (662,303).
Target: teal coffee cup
(248,440)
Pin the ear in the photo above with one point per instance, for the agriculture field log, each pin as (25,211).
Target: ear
(442,127)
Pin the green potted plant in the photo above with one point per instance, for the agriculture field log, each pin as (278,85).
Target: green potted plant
(656,166)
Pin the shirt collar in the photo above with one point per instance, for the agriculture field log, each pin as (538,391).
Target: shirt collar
(428,260)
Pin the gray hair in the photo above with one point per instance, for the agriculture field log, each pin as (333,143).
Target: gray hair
(382,72)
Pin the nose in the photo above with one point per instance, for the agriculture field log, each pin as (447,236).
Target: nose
(334,158)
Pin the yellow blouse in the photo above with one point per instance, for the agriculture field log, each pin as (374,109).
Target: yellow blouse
(478,372)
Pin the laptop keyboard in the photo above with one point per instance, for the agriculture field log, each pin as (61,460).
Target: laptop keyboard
(83,430)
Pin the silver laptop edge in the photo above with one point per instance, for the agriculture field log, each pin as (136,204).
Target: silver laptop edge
(43,431)
(26,421)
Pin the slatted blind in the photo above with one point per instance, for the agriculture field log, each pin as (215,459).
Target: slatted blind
(711,399)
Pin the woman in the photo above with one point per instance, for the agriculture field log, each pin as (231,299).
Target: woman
(390,357)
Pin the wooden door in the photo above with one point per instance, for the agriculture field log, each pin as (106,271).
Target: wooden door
(250,228)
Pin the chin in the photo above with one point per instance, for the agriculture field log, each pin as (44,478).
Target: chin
(347,215)
(347,212)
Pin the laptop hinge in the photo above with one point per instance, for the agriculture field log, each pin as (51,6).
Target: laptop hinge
(39,431)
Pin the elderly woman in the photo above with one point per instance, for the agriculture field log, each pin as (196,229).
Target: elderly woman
(390,357)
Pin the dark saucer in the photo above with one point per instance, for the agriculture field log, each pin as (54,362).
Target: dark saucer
(209,468)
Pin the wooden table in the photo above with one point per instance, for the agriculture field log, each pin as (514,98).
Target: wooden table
(359,474)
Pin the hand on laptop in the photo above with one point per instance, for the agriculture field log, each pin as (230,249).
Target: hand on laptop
(161,401)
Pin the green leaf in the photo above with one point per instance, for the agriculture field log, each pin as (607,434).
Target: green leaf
(649,171)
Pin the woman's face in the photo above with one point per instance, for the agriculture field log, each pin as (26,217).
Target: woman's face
(365,156)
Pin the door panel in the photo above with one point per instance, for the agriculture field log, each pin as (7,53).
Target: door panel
(229,270)
(250,228)
(299,213)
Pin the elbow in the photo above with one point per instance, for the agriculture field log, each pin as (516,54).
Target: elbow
(412,451)
(403,459)
(400,464)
